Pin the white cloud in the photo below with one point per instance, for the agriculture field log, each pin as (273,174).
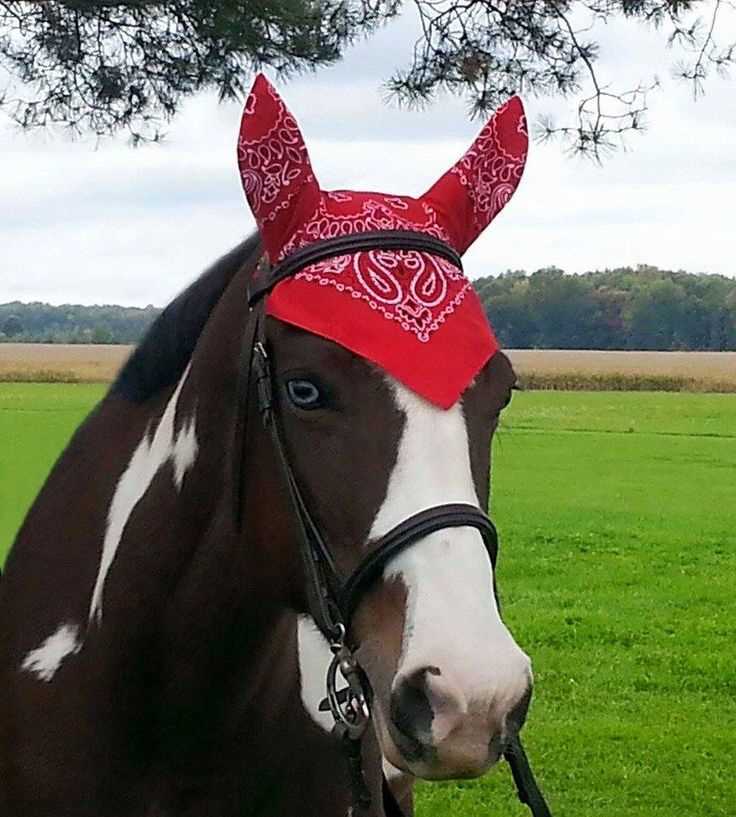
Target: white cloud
(114,224)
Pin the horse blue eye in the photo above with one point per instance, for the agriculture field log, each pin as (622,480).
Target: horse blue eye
(304,394)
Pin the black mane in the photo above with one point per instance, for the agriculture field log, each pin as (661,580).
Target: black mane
(164,352)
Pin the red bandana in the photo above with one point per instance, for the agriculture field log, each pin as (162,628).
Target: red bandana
(413,314)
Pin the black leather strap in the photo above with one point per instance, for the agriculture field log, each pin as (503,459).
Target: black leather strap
(255,379)
(526,785)
(454,515)
(319,567)
(243,403)
(384,240)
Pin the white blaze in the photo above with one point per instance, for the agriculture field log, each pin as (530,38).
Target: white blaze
(148,458)
(314,659)
(46,659)
(452,619)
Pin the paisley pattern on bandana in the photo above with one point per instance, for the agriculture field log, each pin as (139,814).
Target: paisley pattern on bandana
(279,159)
(342,212)
(411,288)
(413,313)
(491,182)
(416,290)
(273,159)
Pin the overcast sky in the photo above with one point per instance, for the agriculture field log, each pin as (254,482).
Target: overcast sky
(112,224)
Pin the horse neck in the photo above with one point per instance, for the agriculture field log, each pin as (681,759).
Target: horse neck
(246,540)
(142,500)
(229,629)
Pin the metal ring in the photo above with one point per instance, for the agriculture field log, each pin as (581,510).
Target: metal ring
(353,713)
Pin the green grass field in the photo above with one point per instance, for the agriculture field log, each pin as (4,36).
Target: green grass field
(617,570)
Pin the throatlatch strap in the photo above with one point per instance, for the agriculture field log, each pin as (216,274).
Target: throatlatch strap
(383,240)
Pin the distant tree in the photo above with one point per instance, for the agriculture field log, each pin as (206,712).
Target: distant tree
(657,314)
(563,308)
(726,337)
(101,334)
(73,323)
(606,325)
(12,326)
(111,64)
(511,311)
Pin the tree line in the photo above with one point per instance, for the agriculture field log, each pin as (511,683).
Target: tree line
(624,308)
(73,323)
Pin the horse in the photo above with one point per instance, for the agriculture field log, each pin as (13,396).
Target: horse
(160,653)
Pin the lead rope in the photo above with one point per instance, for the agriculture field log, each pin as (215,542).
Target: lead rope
(526,785)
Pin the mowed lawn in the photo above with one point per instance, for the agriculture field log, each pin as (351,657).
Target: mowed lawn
(36,420)
(618,575)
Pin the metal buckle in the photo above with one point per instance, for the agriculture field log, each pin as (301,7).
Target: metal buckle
(264,386)
(351,711)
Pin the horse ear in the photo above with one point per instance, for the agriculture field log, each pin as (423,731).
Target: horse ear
(274,167)
(472,193)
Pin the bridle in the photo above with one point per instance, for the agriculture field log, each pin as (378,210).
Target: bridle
(332,599)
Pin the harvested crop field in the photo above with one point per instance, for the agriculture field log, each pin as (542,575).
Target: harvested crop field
(588,370)
(560,369)
(60,363)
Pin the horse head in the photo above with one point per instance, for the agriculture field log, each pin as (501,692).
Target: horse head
(389,385)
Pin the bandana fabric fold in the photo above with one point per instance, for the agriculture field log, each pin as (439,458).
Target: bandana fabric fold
(413,314)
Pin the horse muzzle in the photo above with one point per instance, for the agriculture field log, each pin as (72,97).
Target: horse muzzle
(433,731)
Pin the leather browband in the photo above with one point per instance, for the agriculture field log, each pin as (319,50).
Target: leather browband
(383,240)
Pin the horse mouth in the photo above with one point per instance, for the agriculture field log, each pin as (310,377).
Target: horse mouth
(450,760)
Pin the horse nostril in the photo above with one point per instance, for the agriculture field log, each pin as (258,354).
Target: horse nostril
(411,711)
(426,706)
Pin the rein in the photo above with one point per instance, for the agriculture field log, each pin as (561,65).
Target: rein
(332,599)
